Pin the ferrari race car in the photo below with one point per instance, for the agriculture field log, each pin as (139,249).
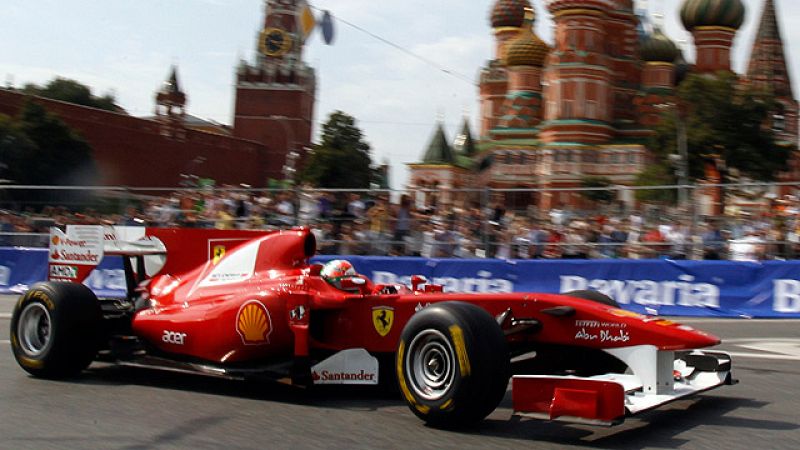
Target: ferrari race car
(250,305)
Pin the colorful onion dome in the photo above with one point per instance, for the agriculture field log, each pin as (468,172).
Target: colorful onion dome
(509,13)
(658,47)
(527,49)
(712,13)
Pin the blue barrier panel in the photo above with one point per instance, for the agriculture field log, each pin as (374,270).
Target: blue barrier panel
(681,288)
(21,267)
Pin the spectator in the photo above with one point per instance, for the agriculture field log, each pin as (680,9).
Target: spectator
(748,248)
(403,214)
(284,210)
(355,207)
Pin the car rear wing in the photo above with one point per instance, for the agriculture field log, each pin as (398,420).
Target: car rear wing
(145,251)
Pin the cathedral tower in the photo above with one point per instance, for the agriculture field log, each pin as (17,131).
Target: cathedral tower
(713,24)
(659,55)
(275,95)
(768,70)
(578,80)
(524,57)
(506,19)
(622,37)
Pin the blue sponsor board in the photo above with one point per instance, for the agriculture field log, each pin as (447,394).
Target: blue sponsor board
(21,267)
(665,287)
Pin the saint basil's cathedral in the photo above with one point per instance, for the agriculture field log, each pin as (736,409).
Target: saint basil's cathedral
(551,116)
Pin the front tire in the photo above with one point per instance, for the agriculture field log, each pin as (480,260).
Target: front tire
(452,364)
(55,329)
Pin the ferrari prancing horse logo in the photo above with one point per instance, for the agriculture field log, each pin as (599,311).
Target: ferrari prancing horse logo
(382,319)
(219,252)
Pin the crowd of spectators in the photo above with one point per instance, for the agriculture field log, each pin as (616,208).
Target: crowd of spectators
(351,223)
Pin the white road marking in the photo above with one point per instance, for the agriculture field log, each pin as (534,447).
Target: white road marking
(5,315)
(787,349)
(763,356)
(5,342)
(730,320)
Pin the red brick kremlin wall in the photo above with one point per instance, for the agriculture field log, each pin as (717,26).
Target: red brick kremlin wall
(130,151)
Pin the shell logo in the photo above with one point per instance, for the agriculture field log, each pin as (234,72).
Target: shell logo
(253,323)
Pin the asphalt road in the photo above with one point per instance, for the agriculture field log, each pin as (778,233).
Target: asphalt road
(113,407)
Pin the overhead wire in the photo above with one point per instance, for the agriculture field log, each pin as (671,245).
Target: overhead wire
(405,50)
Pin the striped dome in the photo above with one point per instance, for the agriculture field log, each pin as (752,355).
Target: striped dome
(509,13)
(527,50)
(658,47)
(719,13)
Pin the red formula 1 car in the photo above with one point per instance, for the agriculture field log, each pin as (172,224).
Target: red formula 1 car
(248,305)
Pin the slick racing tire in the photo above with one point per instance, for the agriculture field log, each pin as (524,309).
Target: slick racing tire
(593,296)
(452,364)
(55,329)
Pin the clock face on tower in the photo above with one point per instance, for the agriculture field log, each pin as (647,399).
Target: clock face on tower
(274,42)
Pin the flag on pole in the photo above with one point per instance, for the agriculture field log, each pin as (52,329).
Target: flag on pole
(306,20)
(327,27)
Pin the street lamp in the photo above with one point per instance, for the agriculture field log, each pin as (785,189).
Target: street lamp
(288,169)
(681,159)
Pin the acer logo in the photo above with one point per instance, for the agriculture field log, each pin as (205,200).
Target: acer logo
(173,337)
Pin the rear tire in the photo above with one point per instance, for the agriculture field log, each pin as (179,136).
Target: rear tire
(593,296)
(55,329)
(452,364)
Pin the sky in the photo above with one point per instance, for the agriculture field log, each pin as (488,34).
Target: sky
(126,47)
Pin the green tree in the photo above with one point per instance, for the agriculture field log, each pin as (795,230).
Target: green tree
(342,159)
(58,156)
(723,121)
(600,196)
(71,91)
(14,144)
(657,175)
(38,149)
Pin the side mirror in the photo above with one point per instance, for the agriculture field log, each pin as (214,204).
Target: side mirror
(354,284)
(417,281)
(314,270)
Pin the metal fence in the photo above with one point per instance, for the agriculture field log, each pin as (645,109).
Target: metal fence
(736,221)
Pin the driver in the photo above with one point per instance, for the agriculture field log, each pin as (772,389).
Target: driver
(335,270)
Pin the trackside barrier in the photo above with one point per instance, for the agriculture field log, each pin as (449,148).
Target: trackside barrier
(678,288)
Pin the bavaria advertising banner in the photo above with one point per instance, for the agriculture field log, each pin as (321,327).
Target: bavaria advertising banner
(664,287)
(679,288)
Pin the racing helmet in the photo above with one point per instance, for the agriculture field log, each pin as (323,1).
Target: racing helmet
(337,269)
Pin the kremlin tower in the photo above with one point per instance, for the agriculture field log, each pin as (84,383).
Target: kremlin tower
(275,96)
